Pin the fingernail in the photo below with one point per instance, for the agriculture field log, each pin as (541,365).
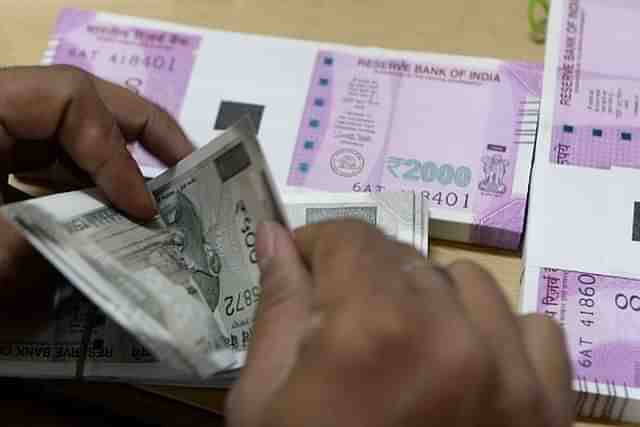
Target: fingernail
(265,245)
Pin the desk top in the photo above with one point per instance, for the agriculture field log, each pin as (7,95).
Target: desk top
(496,29)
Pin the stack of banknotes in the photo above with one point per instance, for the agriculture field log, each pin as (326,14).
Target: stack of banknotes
(583,233)
(173,301)
(458,130)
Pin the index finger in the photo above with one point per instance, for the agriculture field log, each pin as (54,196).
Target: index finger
(143,121)
(62,104)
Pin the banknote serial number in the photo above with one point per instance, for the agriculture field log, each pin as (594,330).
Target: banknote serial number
(241,301)
(586,315)
(156,62)
(134,84)
(414,170)
(451,199)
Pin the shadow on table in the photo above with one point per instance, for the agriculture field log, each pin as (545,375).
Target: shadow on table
(70,404)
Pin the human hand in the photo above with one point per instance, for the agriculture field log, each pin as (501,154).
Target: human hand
(357,330)
(61,113)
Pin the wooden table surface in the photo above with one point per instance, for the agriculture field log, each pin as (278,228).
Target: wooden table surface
(494,28)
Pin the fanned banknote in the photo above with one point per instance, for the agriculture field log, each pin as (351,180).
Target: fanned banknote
(185,284)
(180,293)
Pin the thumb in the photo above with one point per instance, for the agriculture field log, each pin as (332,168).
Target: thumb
(281,321)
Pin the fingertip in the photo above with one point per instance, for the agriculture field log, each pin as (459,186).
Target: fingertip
(123,184)
(138,204)
(149,207)
(186,147)
(181,148)
(144,207)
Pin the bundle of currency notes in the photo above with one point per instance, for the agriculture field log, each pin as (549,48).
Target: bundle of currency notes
(457,130)
(177,296)
(583,233)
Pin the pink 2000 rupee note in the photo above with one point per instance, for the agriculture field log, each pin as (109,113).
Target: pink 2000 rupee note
(452,133)
(584,212)
(154,64)
(601,318)
(596,120)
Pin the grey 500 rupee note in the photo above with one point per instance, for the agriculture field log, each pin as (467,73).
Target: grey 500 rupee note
(185,285)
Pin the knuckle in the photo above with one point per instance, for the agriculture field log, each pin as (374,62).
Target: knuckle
(362,340)
(160,119)
(94,132)
(340,260)
(74,79)
(156,115)
(387,345)
(467,357)
(92,135)
(351,351)
(345,242)
(392,329)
